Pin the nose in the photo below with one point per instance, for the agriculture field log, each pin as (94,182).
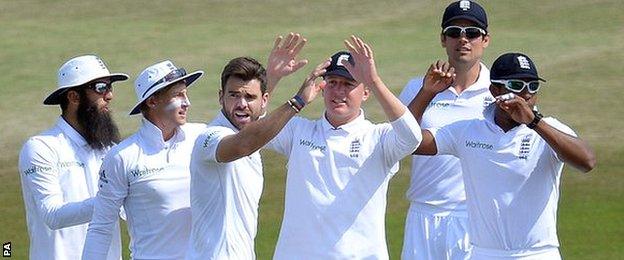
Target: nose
(525,94)
(241,103)
(186,102)
(108,95)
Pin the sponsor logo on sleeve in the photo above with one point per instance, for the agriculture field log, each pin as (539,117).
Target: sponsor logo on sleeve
(208,138)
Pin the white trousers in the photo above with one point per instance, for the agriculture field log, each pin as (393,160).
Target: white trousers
(434,234)
(548,253)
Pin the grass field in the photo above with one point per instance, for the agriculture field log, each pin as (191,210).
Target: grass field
(576,44)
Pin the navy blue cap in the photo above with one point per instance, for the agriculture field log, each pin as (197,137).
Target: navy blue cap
(336,68)
(514,66)
(464,9)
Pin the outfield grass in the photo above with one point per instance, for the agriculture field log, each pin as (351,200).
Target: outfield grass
(576,44)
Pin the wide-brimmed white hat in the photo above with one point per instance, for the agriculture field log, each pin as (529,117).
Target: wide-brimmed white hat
(79,71)
(158,76)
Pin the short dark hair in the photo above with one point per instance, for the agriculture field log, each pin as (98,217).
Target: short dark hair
(244,68)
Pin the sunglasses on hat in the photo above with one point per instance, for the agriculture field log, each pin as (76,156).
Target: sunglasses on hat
(101,87)
(171,76)
(516,85)
(471,32)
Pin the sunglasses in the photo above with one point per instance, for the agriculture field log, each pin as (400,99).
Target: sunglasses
(516,85)
(171,76)
(101,87)
(471,32)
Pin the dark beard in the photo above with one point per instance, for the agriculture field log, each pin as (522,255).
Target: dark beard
(99,129)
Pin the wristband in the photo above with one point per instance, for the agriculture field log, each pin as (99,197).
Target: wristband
(290,103)
(298,101)
(536,119)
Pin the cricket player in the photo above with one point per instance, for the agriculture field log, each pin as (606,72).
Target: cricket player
(226,168)
(59,167)
(339,165)
(148,173)
(437,222)
(511,162)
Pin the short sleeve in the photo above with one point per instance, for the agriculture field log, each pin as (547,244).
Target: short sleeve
(282,142)
(208,142)
(446,137)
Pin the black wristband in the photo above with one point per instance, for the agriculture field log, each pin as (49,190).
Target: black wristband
(536,119)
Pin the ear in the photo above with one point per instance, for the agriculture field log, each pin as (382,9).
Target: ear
(151,102)
(496,91)
(221,97)
(443,40)
(366,94)
(265,100)
(73,97)
(486,40)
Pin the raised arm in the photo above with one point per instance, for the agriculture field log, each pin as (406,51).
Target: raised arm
(283,59)
(439,77)
(569,149)
(256,134)
(364,71)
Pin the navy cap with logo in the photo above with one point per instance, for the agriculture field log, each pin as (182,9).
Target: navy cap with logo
(514,66)
(464,9)
(336,68)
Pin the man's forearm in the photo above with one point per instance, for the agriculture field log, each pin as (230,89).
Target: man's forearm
(570,149)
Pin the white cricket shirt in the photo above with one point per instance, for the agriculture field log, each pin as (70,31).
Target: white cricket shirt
(59,174)
(151,179)
(436,181)
(511,179)
(337,183)
(224,198)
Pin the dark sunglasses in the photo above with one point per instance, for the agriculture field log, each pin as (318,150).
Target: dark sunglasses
(516,85)
(101,87)
(171,76)
(471,32)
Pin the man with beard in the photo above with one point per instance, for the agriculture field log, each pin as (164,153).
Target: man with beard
(437,223)
(59,167)
(148,173)
(226,168)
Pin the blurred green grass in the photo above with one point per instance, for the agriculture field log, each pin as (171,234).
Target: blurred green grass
(576,45)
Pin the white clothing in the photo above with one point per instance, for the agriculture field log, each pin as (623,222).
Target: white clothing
(434,234)
(59,174)
(436,181)
(546,253)
(512,181)
(337,183)
(151,178)
(224,198)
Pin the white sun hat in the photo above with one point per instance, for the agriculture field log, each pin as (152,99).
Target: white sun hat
(79,71)
(158,76)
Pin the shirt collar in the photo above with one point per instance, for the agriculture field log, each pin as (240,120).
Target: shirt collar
(483,81)
(349,127)
(153,135)
(221,120)
(70,132)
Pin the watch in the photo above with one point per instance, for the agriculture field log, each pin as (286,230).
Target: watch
(536,119)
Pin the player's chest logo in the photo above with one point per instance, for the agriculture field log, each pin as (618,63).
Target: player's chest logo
(525,147)
(354,148)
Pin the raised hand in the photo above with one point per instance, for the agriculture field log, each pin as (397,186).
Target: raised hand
(283,57)
(310,89)
(439,77)
(363,70)
(517,108)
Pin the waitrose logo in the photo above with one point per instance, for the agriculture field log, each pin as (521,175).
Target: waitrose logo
(138,173)
(479,145)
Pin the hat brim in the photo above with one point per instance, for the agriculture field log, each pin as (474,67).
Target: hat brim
(521,76)
(189,78)
(339,72)
(54,97)
(467,17)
